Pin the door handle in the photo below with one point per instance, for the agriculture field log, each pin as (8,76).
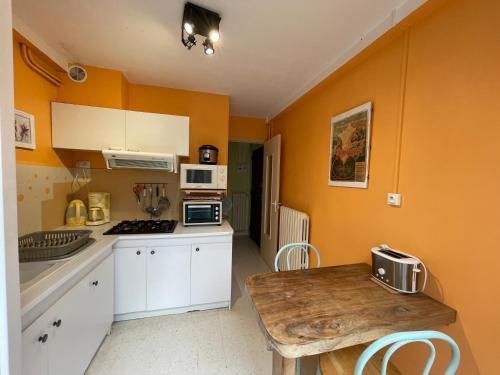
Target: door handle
(276,205)
(57,323)
(43,339)
(138,252)
(152,252)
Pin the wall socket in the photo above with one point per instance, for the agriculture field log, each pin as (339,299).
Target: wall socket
(394,199)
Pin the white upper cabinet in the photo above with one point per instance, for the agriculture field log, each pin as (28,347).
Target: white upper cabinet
(152,132)
(82,127)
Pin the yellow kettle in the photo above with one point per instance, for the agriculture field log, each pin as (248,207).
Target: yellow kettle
(76,213)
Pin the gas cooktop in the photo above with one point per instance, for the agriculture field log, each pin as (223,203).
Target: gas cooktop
(143,227)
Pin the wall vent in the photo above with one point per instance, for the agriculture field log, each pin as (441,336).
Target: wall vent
(77,73)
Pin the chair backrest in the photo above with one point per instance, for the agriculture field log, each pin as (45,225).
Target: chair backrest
(290,248)
(397,340)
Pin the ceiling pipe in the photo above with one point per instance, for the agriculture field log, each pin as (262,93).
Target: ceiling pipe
(26,54)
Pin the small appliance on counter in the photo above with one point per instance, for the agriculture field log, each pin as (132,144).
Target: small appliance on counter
(201,212)
(208,154)
(76,213)
(203,176)
(99,208)
(397,270)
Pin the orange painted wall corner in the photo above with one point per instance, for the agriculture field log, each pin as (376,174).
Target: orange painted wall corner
(249,129)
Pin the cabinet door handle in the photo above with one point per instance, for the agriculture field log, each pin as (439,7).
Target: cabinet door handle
(57,323)
(152,252)
(43,339)
(95,283)
(138,252)
(197,249)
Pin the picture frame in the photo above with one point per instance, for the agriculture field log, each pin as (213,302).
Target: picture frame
(350,134)
(24,128)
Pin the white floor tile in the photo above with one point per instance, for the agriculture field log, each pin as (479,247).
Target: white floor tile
(218,342)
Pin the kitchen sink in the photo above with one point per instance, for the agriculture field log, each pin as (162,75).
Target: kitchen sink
(31,271)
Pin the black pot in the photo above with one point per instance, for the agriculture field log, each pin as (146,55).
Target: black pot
(208,154)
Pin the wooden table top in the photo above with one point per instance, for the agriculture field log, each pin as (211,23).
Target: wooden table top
(318,310)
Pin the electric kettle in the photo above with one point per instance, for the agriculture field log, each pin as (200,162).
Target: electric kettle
(76,213)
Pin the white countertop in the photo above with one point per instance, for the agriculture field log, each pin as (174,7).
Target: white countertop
(39,294)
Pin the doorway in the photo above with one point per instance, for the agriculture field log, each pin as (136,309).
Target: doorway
(245,163)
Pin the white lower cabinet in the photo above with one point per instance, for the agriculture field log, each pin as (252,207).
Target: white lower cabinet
(171,276)
(65,338)
(130,280)
(210,273)
(167,279)
(35,348)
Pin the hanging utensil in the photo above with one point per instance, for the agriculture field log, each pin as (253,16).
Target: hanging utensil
(163,202)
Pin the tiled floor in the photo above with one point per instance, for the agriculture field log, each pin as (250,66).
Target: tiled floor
(222,342)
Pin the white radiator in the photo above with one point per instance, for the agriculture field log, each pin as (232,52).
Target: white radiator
(240,212)
(293,227)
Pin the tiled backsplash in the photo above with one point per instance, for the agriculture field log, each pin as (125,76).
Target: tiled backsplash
(42,197)
(119,182)
(44,192)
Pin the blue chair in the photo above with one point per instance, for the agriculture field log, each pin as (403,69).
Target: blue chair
(371,362)
(291,248)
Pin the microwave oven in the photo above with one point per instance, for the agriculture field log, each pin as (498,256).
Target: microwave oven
(201,213)
(203,176)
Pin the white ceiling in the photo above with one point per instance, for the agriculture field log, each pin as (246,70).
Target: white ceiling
(270,51)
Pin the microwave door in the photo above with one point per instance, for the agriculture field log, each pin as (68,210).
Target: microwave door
(199,214)
(199,176)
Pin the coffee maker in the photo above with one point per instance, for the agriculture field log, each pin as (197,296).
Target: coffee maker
(99,208)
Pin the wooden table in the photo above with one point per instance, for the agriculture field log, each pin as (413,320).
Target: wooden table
(313,311)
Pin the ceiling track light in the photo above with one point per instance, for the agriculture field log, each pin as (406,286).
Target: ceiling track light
(208,47)
(200,21)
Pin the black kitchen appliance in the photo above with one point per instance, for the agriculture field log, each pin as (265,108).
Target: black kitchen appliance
(143,227)
(208,154)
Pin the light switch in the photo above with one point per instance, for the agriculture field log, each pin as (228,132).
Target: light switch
(394,199)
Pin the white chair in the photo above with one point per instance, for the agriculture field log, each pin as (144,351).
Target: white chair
(292,248)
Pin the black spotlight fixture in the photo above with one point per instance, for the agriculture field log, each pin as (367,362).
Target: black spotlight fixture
(200,21)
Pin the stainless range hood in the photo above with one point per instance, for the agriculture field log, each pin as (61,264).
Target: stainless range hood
(140,160)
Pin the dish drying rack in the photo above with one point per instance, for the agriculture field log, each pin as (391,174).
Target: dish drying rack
(51,245)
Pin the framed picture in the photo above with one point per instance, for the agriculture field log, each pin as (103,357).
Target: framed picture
(350,147)
(24,124)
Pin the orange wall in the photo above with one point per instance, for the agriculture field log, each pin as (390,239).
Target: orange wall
(247,129)
(449,175)
(208,114)
(33,94)
(103,88)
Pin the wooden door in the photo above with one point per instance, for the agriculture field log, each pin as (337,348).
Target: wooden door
(130,280)
(270,200)
(168,277)
(256,194)
(211,273)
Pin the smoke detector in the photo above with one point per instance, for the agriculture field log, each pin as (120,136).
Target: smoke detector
(77,73)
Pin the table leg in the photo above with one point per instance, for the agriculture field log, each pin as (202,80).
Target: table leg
(282,365)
